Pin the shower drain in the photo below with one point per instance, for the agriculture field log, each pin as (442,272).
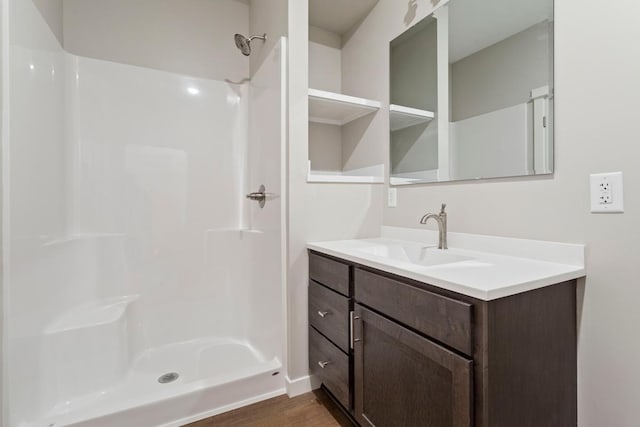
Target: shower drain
(168,378)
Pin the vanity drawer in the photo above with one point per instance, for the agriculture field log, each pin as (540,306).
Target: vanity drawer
(329,314)
(335,373)
(444,319)
(330,273)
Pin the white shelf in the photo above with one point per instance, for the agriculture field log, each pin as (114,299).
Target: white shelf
(406,178)
(337,109)
(368,175)
(404,117)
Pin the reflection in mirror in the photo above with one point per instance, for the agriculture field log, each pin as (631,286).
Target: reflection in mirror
(482,72)
(414,103)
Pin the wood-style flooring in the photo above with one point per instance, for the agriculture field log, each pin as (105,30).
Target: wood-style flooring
(313,409)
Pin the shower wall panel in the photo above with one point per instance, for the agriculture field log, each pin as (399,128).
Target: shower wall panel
(34,199)
(161,159)
(266,156)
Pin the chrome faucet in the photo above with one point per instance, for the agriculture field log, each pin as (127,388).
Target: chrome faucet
(441,219)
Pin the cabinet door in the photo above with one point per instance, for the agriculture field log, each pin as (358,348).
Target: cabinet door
(404,379)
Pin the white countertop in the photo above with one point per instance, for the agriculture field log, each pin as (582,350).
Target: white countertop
(502,268)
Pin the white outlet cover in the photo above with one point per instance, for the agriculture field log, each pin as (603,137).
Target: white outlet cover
(392,198)
(615,181)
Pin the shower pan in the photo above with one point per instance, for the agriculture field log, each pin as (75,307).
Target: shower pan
(141,287)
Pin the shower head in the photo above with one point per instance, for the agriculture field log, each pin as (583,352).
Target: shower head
(244,44)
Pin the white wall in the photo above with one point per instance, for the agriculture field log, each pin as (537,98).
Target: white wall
(268,17)
(191,37)
(325,147)
(51,11)
(324,37)
(4,44)
(325,60)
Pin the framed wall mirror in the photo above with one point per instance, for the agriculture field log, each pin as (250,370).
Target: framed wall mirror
(471,93)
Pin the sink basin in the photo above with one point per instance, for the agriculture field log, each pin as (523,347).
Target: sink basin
(415,254)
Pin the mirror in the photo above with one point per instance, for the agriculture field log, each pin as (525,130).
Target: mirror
(471,93)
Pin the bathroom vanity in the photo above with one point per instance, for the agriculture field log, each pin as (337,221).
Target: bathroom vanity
(404,334)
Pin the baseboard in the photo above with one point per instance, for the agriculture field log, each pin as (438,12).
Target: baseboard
(301,385)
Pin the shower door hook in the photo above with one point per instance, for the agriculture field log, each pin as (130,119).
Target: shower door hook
(259,196)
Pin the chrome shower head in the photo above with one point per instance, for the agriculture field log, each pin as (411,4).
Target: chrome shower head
(244,44)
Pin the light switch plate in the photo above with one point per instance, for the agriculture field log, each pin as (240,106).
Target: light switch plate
(607,195)
(392,198)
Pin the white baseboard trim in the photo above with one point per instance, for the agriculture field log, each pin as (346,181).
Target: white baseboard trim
(301,385)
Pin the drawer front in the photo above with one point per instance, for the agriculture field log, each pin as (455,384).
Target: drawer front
(335,373)
(330,273)
(442,318)
(329,314)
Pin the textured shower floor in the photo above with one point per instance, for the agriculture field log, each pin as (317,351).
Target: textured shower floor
(215,374)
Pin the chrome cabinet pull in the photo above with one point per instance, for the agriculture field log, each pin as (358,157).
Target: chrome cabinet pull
(352,318)
(324,364)
(323,313)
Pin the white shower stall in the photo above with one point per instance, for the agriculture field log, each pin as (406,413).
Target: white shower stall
(141,287)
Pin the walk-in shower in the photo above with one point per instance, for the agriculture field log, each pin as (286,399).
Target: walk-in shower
(141,287)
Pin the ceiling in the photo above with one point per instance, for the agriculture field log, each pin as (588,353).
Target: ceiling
(338,16)
(475,25)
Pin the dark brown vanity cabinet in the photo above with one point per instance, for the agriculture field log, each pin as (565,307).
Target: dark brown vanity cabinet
(396,352)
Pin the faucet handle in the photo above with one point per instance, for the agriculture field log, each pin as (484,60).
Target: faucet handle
(444,205)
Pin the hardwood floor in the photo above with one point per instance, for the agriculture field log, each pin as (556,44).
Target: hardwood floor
(313,409)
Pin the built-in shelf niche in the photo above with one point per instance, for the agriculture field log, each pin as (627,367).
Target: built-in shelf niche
(337,110)
(340,150)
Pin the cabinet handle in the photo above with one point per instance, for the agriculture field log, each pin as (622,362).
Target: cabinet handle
(324,364)
(323,313)
(352,317)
